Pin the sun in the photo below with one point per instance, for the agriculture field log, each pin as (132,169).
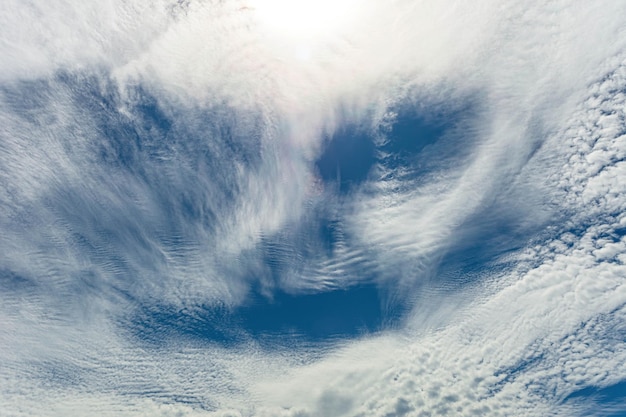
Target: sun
(303,18)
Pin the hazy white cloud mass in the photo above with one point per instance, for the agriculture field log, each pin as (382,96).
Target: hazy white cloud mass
(160,165)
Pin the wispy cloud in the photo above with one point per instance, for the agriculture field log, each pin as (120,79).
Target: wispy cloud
(159,163)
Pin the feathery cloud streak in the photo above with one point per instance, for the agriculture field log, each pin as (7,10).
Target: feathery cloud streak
(162,165)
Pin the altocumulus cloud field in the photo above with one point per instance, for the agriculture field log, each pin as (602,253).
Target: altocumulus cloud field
(313,208)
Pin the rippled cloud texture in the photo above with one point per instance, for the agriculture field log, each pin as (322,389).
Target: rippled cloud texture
(331,208)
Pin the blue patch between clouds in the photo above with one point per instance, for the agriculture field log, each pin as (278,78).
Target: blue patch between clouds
(336,313)
(411,133)
(283,319)
(347,159)
(351,153)
(611,397)
(612,392)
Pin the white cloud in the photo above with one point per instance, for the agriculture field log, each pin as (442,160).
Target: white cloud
(93,228)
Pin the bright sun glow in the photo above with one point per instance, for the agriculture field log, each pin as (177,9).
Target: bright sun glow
(305,19)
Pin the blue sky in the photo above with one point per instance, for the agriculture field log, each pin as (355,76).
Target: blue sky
(332,208)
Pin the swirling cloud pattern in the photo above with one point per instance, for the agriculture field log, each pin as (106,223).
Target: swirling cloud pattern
(313,209)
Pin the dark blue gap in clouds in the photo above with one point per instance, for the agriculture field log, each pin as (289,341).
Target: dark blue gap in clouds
(442,128)
(619,232)
(613,395)
(412,132)
(280,320)
(351,153)
(347,159)
(340,313)
(612,392)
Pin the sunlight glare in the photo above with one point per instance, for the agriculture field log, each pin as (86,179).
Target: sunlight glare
(300,18)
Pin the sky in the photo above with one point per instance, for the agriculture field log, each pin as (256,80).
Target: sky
(233,208)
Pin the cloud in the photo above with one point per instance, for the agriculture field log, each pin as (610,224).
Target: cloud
(553,327)
(163,158)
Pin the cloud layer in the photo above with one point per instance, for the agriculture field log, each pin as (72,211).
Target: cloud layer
(165,165)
